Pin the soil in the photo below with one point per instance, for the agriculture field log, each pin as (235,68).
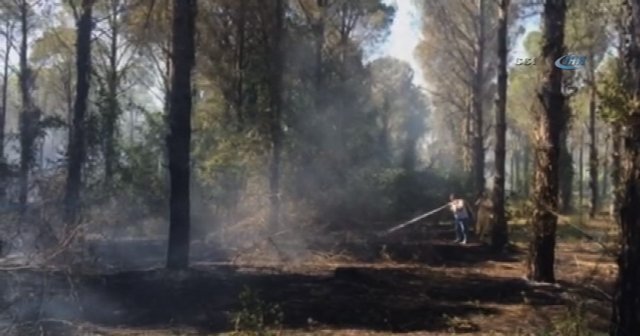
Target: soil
(411,282)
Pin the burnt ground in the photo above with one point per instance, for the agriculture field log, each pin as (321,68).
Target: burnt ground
(406,283)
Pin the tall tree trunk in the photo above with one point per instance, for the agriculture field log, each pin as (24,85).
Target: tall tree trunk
(179,137)
(319,43)
(616,127)
(237,180)
(111,117)
(383,135)
(626,313)
(581,174)
(467,154)
(626,307)
(3,110)
(518,185)
(526,165)
(163,160)
(517,169)
(76,146)
(25,93)
(240,64)
(413,126)
(516,150)
(29,113)
(276,115)
(550,123)
(512,170)
(566,173)
(616,170)
(593,146)
(477,114)
(499,233)
(318,32)
(604,191)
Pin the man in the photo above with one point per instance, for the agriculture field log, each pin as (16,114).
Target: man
(484,218)
(461,218)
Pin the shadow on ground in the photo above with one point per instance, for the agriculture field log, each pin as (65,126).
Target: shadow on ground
(429,245)
(401,298)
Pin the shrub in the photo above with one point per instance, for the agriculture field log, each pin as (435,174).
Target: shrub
(256,317)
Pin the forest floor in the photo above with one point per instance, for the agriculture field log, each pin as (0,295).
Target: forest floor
(416,282)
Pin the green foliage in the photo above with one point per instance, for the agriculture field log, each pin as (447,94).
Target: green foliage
(616,100)
(54,46)
(256,317)
(352,139)
(374,195)
(584,29)
(141,172)
(579,105)
(149,26)
(533,43)
(521,96)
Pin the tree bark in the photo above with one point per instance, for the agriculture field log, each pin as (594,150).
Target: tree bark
(616,127)
(604,190)
(512,170)
(318,33)
(566,174)
(3,110)
(76,146)
(581,173)
(467,155)
(29,114)
(626,307)
(593,147)
(113,108)
(517,169)
(626,312)
(526,165)
(477,114)
(25,93)
(550,123)
(500,233)
(163,161)
(179,137)
(239,65)
(275,94)
(616,170)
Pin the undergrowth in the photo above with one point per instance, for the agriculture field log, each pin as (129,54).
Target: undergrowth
(573,323)
(257,317)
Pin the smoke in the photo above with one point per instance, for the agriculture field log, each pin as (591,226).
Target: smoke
(405,35)
(332,160)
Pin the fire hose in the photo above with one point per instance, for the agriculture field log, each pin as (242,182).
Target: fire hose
(414,220)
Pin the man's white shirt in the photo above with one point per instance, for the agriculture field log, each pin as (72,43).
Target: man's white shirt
(459,211)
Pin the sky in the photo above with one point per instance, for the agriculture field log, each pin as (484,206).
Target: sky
(406,32)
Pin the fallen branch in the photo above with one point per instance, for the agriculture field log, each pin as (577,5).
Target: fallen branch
(50,254)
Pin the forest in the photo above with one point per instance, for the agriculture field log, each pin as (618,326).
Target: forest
(320,167)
